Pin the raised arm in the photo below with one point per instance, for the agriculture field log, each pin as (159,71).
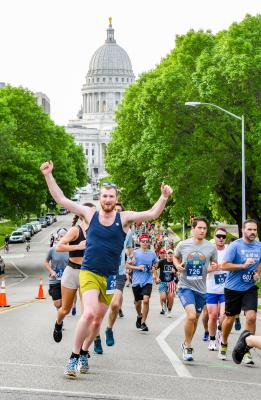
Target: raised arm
(57,194)
(153,213)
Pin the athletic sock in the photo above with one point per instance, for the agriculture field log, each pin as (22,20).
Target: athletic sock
(73,355)
(222,344)
(212,337)
(83,352)
(58,327)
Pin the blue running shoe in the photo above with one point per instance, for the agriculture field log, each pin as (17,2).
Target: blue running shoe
(74,311)
(109,337)
(71,368)
(97,345)
(205,336)
(83,365)
(237,324)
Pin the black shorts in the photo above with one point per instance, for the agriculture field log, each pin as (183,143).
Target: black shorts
(55,291)
(139,292)
(235,300)
(120,282)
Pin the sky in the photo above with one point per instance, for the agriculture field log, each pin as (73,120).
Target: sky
(46,45)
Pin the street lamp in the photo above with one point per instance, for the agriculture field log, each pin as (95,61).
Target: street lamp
(199,103)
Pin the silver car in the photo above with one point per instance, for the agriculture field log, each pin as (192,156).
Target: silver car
(25,231)
(17,237)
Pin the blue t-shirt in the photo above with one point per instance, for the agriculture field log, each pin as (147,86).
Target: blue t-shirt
(237,253)
(128,243)
(148,259)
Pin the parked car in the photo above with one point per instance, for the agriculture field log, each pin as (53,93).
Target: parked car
(53,215)
(49,220)
(95,196)
(17,237)
(63,211)
(43,222)
(30,228)
(2,266)
(36,224)
(25,231)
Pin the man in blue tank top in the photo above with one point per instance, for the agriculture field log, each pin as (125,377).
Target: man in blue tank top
(243,261)
(107,231)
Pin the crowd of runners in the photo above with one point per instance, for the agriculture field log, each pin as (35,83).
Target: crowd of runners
(111,247)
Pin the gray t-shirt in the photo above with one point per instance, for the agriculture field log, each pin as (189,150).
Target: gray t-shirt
(196,258)
(58,263)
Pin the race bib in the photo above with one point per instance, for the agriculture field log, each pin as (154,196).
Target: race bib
(248,277)
(220,278)
(59,273)
(111,284)
(194,272)
(147,268)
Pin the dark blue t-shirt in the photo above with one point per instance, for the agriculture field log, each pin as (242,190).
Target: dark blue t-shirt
(102,256)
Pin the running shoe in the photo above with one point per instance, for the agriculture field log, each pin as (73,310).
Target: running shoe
(144,327)
(187,353)
(71,368)
(57,332)
(109,337)
(138,322)
(83,365)
(247,359)
(98,346)
(212,345)
(218,336)
(205,336)
(241,349)
(162,312)
(237,324)
(169,315)
(222,352)
(164,307)
(121,315)
(74,311)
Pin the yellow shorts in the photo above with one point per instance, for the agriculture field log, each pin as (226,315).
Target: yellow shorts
(89,281)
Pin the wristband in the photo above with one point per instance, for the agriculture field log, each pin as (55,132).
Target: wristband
(163,197)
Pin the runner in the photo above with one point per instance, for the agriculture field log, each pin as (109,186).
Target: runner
(143,264)
(192,258)
(215,291)
(73,242)
(116,303)
(106,235)
(243,261)
(55,263)
(167,280)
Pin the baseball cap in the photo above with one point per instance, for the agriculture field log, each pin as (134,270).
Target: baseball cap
(162,251)
(61,232)
(144,236)
(170,251)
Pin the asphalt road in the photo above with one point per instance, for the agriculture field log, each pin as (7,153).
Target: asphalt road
(140,365)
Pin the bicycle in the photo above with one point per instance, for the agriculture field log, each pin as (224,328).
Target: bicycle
(6,247)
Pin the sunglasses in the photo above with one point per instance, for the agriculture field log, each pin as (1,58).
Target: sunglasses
(144,241)
(221,236)
(109,184)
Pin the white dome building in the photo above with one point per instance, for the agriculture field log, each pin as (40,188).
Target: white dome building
(110,73)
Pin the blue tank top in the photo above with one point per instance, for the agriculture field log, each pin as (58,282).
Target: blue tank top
(105,243)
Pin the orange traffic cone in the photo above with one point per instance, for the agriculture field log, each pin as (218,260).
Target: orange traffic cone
(3,301)
(40,291)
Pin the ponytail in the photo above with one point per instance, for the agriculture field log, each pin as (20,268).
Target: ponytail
(75,220)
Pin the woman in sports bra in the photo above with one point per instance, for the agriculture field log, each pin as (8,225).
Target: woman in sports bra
(73,242)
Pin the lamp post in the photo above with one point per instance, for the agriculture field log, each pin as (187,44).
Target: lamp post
(199,103)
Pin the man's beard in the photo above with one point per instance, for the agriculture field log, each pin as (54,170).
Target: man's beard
(108,208)
(251,237)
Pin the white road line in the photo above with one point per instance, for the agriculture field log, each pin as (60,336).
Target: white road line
(21,272)
(178,365)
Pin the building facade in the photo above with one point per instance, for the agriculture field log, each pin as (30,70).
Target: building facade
(43,101)
(110,73)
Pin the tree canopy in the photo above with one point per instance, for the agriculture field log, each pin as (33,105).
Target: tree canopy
(27,138)
(195,150)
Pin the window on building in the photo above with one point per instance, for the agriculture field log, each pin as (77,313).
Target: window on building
(92,152)
(86,152)
(122,79)
(104,106)
(104,79)
(98,79)
(93,160)
(127,79)
(110,78)
(116,79)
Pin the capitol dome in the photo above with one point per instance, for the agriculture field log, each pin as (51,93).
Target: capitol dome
(110,59)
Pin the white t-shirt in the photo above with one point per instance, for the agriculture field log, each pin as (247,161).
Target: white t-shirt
(216,280)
